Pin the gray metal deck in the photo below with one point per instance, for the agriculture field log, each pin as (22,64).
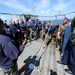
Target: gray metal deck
(45,60)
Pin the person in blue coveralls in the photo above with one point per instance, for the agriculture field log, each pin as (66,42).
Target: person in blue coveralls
(22,25)
(33,30)
(12,27)
(8,54)
(18,34)
(23,28)
(65,51)
(66,44)
(39,25)
(7,31)
(71,69)
(27,26)
(14,30)
(67,28)
(49,31)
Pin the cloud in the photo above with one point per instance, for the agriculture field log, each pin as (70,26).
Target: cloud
(14,4)
(39,7)
(74,0)
(60,6)
(43,7)
(29,0)
(45,11)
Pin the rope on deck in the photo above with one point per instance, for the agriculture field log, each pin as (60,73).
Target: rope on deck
(38,59)
(49,61)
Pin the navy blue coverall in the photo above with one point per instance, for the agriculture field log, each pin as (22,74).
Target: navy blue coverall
(8,52)
(66,44)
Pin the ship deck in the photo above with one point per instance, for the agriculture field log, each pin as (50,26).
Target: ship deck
(38,61)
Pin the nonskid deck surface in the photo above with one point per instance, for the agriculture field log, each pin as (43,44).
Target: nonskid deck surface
(38,61)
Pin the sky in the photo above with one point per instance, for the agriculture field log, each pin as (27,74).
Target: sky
(38,7)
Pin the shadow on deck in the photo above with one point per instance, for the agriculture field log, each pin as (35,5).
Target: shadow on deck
(46,64)
(30,60)
(53,72)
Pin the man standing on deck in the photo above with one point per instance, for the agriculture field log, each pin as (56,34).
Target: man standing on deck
(71,69)
(15,29)
(39,25)
(27,26)
(33,30)
(23,28)
(64,54)
(60,36)
(8,54)
(7,31)
(18,34)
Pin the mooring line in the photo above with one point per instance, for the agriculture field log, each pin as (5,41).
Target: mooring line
(54,60)
(49,60)
(43,60)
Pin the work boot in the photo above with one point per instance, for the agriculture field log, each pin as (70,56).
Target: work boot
(68,71)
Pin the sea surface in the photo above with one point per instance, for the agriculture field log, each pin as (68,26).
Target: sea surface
(53,22)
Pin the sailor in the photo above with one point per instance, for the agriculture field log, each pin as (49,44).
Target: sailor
(8,54)
(18,33)
(39,25)
(23,28)
(7,31)
(5,22)
(56,32)
(64,54)
(71,69)
(14,29)
(22,25)
(49,31)
(28,27)
(42,32)
(60,36)
(33,30)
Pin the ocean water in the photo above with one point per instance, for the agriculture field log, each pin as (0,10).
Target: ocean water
(53,22)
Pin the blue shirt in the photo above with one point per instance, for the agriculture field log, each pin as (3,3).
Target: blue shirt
(33,26)
(39,25)
(8,52)
(7,32)
(50,29)
(14,29)
(26,26)
(67,34)
(22,25)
